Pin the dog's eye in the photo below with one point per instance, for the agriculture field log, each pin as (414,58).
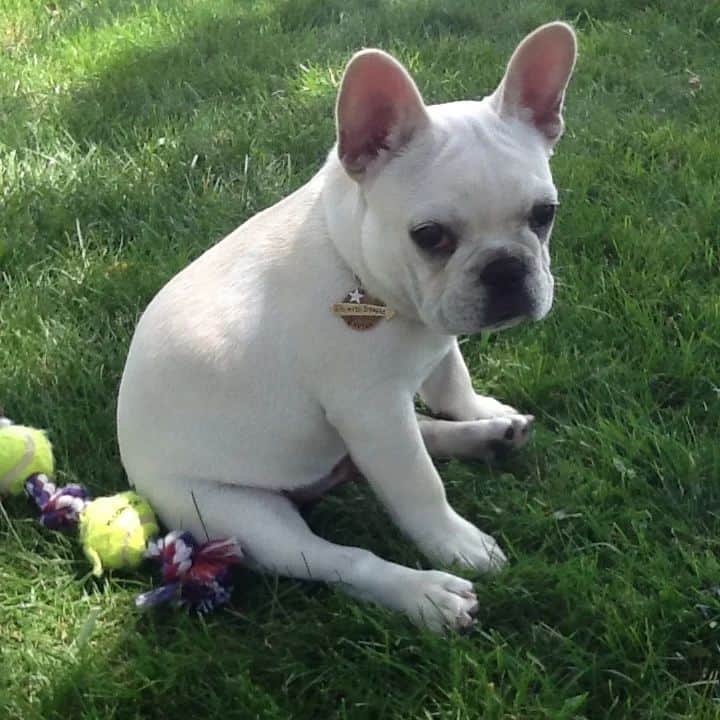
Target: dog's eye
(541,216)
(434,239)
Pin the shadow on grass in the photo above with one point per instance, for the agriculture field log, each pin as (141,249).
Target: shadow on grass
(246,53)
(233,53)
(264,663)
(282,649)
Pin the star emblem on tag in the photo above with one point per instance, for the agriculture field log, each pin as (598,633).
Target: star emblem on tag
(362,311)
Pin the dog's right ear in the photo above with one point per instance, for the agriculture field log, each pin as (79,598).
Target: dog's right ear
(379,108)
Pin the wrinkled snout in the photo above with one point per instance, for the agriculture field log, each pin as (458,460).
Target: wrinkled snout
(503,288)
(506,280)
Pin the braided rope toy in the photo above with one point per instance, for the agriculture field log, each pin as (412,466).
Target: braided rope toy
(119,531)
(196,576)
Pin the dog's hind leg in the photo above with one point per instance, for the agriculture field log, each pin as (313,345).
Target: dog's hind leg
(276,539)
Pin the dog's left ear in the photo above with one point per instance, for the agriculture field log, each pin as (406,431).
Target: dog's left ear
(536,78)
(379,108)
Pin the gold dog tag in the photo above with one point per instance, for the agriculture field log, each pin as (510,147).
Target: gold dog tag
(361,311)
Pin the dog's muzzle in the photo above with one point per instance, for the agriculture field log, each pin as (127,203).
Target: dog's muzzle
(505,279)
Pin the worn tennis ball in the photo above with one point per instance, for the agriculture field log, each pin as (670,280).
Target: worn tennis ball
(114,531)
(24,451)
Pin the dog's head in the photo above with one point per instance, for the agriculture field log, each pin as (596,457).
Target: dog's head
(459,197)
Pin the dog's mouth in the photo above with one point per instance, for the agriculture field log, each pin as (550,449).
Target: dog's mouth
(504,323)
(499,308)
(496,324)
(506,307)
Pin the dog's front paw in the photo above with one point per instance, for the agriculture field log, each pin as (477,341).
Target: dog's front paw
(491,439)
(458,542)
(484,407)
(502,435)
(440,601)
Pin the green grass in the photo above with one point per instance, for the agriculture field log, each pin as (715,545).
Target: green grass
(135,134)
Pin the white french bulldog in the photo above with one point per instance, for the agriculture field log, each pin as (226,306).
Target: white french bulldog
(243,390)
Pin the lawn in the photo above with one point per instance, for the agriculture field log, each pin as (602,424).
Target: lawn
(133,135)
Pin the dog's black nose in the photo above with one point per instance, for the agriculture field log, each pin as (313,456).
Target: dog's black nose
(507,296)
(504,273)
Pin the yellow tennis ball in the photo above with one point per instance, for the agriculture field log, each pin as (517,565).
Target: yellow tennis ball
(24,451)
(114,531)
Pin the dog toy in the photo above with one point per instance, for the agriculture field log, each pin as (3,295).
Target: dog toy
(24,451)
(114,530)
(117,531)
(196,576)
